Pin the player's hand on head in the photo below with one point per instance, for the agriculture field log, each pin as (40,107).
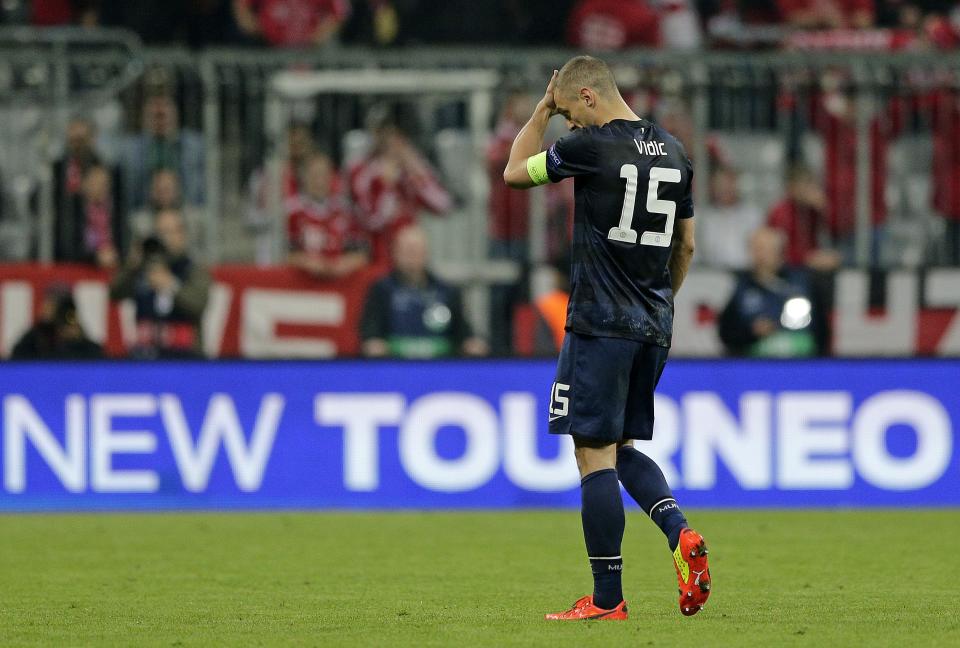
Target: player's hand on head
(548,100)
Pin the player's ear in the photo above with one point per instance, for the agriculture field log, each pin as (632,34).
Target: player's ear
(588,97)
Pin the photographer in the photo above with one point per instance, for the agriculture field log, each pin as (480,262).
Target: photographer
(412,314)
(169,290)
(57,334)
(771,312)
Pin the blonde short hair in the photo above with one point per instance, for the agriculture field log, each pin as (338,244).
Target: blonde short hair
(586,72)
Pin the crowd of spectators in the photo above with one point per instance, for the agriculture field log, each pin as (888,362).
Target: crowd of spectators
(592,24)
(139,212)
(134,221)
(143,222)
(140,220)
(100,209)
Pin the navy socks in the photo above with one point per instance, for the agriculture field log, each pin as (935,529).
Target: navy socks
(644,480)
(603,521)
(603,518)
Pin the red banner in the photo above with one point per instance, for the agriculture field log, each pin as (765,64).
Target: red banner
(252,312)
(284,313)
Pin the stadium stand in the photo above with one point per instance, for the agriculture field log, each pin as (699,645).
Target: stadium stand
(761,115)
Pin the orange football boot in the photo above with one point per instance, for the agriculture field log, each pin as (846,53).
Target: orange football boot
(584,610)
(693,574)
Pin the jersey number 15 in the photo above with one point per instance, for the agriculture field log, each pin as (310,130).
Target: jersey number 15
(623,233)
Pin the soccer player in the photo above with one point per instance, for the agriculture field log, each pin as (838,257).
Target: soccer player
(630,255)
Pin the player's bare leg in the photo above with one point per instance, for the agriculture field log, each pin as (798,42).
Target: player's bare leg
(603,522)
(645,482)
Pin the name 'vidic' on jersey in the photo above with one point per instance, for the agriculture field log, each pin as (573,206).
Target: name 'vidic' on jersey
(632,179)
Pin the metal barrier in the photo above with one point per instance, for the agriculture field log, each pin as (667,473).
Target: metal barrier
(871,126)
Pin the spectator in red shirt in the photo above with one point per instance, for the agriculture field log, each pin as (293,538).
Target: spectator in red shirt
(613,25)
(508,208)
(508,217)
(92,232)
(390,186)
(80,155)
(828,14)
(946,167)
(943,31)
(300,147)
(324,236)
(291,23)
(837,124)
(48,13)
(800,216)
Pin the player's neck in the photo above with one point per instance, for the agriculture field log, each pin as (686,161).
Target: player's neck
(618,110)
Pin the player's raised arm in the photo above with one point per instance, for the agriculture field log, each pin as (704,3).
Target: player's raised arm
(682,253)
(527,166)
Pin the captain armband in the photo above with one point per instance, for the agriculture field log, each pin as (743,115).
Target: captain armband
(537,168)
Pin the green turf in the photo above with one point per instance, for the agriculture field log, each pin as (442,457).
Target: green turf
(837,578)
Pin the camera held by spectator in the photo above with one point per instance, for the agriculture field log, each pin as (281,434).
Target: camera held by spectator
(412,314)
(169,290)
(771,311)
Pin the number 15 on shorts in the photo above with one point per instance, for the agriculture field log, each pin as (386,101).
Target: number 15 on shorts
(559,402)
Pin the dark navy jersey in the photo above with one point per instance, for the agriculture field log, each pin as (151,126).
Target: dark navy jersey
(632,179)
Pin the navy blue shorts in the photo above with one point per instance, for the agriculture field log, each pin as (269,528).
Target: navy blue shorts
(604,388)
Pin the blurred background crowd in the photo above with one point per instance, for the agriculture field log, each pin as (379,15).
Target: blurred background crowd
(802,169)
(591,24)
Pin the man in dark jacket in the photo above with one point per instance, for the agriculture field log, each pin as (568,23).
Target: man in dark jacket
(79,156)
(412,314)
(771,312)
(92,230)
(169,289)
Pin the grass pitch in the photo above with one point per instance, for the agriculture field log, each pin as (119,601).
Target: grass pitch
(826,578)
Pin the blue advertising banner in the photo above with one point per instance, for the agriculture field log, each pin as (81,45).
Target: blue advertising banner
(464,435)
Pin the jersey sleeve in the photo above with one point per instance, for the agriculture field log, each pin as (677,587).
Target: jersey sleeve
(571,156)
(685,204)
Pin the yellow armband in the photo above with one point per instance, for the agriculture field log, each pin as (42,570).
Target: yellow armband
(537,168)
